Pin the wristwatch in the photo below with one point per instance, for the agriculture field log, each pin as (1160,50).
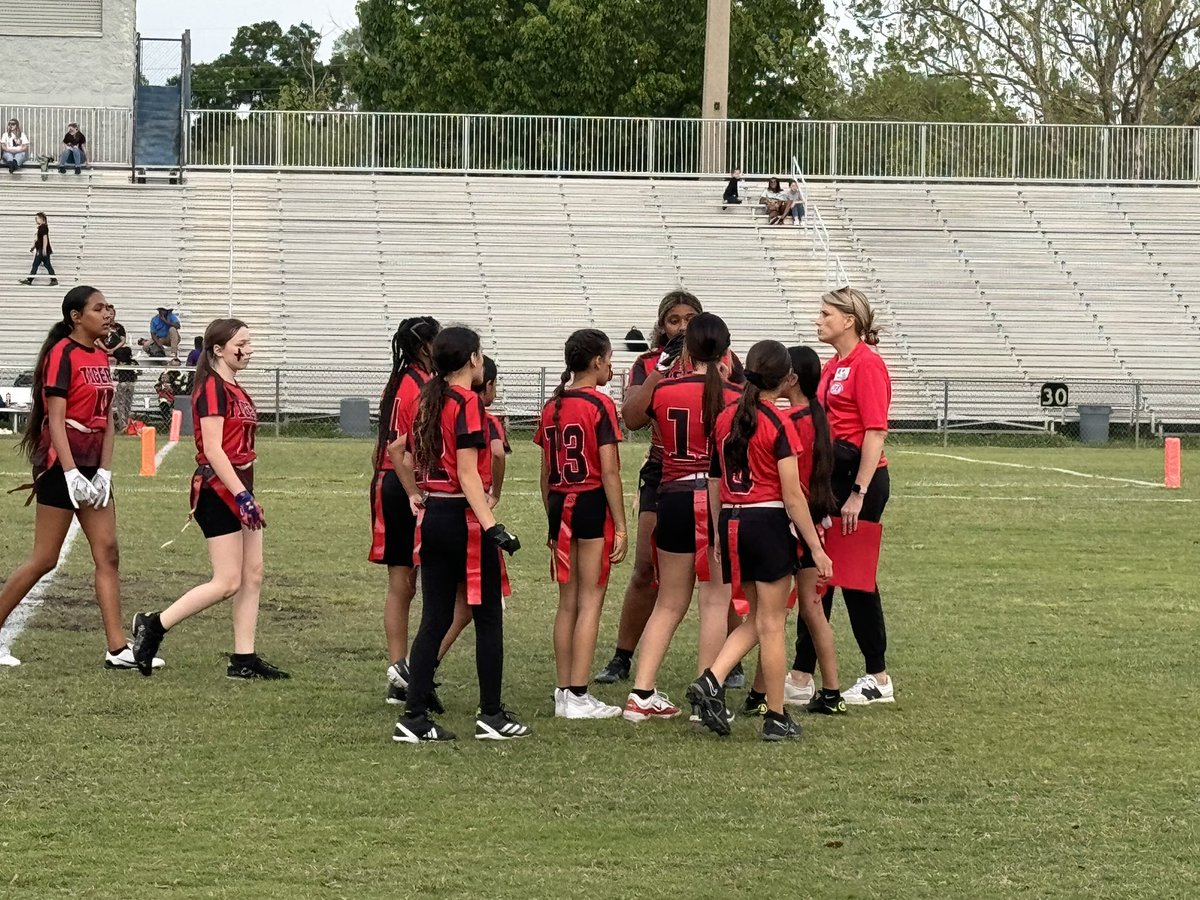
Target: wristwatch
(858,489)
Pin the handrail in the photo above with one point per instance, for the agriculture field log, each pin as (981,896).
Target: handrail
(833,262)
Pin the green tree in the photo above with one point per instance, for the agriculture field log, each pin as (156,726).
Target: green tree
(894,94)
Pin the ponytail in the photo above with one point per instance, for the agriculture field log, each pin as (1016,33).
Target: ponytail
(807,366)
(557,396)
(427,427)
(767,365)
(707,342)
(412,335)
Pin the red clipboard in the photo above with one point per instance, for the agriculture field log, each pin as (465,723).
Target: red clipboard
(855,556)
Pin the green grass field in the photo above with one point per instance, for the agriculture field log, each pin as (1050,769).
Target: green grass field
(1043,640)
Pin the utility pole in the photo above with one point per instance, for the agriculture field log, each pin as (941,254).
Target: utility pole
(714,106)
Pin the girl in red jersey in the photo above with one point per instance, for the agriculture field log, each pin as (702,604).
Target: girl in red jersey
(69,441)
(754,491)
(685,410)
(392,522)
(459,540)
(223,505)
(856,391)
(581,490)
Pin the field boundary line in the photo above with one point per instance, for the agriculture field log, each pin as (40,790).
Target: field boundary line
(1014,465)
(19,620)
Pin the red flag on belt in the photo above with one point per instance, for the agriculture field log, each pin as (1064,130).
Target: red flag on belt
(855,556)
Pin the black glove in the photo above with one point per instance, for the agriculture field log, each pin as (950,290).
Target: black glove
(503,538)
(670,352)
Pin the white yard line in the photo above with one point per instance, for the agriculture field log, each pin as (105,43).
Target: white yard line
(1013,465)
(20,617)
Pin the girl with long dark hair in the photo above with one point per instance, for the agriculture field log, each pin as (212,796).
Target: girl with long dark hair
(69,441)
(392,522)
(223,505)
(581,491)
(459,540)
(755,497)
(685,410)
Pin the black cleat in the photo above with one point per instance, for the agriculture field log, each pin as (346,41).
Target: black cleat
(829,704)
(736,679)
(148,635)
(397,676)
(755,705)
(708,698)
(254,668)
(780,728)
(397,696)
(616,670)
(501,726)
(420,730)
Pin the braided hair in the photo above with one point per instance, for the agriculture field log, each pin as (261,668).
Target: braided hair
(767,365)
(581,348)
(807,366)
(412,338)
(452,350)
(707,342)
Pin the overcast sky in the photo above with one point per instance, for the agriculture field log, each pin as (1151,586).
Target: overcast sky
(214,22)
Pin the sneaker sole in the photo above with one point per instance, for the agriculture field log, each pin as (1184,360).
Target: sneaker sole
(409,738)
(392,701)
(629,716)
(711,720)
(490,734)
(157,664)
(863,701)
(780,738)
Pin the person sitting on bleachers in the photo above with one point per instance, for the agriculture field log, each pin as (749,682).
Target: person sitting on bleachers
(635,341)
(164,334)
(14,146)
(795,207)
(73,152)
(733,188)
(775,198)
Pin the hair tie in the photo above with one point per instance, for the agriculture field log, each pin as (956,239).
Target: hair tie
(755,379)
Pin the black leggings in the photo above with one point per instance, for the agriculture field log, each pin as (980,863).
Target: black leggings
(41,259)
(865,608)
(443,568)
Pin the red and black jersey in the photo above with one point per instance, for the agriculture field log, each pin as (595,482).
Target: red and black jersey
(80,375)
(806,438)
(856,393)
(571,438)
(464,426)
(227,399)
(496,433)
(638,373)
(404,411)
(774,439)
(677,407)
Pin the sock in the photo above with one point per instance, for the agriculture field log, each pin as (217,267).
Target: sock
(753,698)
(626,656)
(643,695)
(154,623)
(778,717)
(577,689)
(830,693)
(119,650)
(240,657)
(488,711)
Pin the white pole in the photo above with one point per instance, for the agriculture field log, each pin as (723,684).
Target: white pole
(230,231)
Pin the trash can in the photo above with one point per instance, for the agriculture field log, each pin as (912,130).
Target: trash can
(183,403)
(1093,424)
(356,417)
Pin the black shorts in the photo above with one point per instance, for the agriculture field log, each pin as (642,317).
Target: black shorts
(766,548)
(675,531)
(213,515)
(649,478)
(588,519)
(51,487)
(393,526)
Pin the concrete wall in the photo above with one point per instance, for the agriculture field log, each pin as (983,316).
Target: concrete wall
(69,70)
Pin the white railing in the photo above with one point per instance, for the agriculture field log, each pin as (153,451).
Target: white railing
(835,275)
(109,130)
(569,145)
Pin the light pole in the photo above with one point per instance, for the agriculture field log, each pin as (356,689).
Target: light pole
(713,110)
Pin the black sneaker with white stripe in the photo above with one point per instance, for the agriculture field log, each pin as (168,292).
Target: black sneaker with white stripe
(251,667)
(616,670)
(780,728)
(420,730)
(708,698)
(501,726)
(148,635)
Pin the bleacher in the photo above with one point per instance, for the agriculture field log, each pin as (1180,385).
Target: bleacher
(975,284)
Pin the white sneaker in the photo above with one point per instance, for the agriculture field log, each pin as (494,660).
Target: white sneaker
(585,707)
(125,660)
(8,659)
(659,706)
(603,710)
(398,674)
(797,695)
(867,690)
(560,703)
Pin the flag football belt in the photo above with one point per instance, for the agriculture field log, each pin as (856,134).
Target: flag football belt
(205,476)
(474,577)
(560,556)
(51,459)
(698,485)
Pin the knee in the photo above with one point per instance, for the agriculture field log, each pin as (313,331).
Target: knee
(643,574)
(228,585)
(107,557)
(41,566)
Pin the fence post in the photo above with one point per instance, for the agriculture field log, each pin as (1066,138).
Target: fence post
(278,407)
(833,160)
(278,160)
(924,142)
(742,146)
(374,142)
(558,143)
(946,412)
(1104,156)
(466,144)
(649,146)
(1137,415)
(542,385)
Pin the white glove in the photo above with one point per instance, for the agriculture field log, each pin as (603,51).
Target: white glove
(79,489)
(102,486)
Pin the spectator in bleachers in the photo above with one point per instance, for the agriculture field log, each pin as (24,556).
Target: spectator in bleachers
(165,388)
(117,336)
(733,188)
(41,251)
(775,198)
(14,146)
(73,153)
(164,334)
(635,341)
(126,379)
(795,207)
(197,352)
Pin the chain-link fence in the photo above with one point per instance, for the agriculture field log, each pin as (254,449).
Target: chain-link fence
(317,402)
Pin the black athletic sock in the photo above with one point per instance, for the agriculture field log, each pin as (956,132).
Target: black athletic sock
(643,695)
(241,658)
(753,698)
(577,689)
(830,693)
(154,623)
(778,717)
(625,656)
(119,650)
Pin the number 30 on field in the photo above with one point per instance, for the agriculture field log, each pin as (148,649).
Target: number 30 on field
(1054,393)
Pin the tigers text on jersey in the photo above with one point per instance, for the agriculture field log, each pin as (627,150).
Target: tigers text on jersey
(572,436)
(677,407)
(463,425)
(217,397)
(774,439)
(82,377)
(404,411)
